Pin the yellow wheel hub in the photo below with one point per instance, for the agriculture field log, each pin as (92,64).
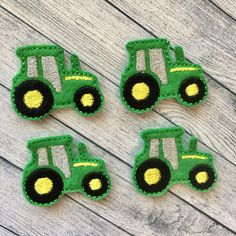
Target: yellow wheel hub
(192,90)
(201,177)
(87,100)
(152,176)
(95,184)
(140,91)
(33,99)
(43,185)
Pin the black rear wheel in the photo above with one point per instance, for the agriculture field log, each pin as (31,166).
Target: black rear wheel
(192,90)
(95,184)
(43,186)
(202,177)
(33,99)
(141,91)
(153,176)
(88,99)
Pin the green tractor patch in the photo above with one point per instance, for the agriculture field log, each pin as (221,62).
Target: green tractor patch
(164,161)
(152,75)
(55,170)
(44,84)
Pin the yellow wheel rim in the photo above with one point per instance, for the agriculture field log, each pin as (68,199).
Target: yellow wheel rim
(43,185)
(140,91)
(33,99)
(95,184)
(192,90)
(202,177)
(87,100)
(152,176)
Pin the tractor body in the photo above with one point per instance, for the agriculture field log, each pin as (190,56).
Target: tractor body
(43,69)
(54,157)
(152,74)
(164,148)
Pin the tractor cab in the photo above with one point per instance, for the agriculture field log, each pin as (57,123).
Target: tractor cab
(164,145)
(57,154)
(152,58)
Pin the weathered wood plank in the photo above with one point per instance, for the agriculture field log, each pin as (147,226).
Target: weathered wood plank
(219,110)
(124,207)
(5,232)
(229,6)
(118,140)
(208,36)
(67,218)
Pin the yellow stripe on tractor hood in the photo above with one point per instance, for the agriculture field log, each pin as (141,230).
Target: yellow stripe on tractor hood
(193,157)
(78,77)
(79,164)
(184,69)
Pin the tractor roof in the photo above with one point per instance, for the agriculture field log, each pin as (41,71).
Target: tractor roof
(49,141)
(147,43)
(39,50)
(162,133)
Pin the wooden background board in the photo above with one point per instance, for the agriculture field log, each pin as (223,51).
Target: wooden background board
(97,30)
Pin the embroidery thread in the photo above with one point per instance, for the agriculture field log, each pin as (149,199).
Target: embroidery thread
(55,170)
(152,75)
(45,84)
(163,162)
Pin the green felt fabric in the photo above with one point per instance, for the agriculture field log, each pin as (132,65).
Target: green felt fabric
(72,183)
(168,90)
(65,98)
(179,174)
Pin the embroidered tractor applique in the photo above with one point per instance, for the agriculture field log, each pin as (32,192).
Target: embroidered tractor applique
(152,75)
(163,162)
(44,84)
(55,170)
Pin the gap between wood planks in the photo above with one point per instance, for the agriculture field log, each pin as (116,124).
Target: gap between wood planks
(8,230)
(219,8)
(71,198)
(117,85)
(130,166)
(113,83)
(154,35)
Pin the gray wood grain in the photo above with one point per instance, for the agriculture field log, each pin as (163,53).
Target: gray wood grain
(66,218)
(6,232)
(96,31)
(208,36)
(124,207)
(228,6)
(109,60)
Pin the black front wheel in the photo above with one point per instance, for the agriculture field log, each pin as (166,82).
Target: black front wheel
(95,184)
(33,99)
(141,91)
(153,176)
(192,90)
(202,177)
(43,186)
(88,99)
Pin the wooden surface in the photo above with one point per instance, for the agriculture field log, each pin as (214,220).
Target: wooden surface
(97,31)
